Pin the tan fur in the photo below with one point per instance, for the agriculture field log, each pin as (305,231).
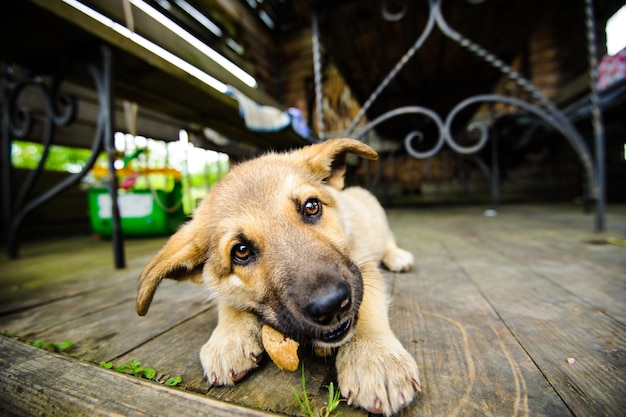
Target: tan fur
(312,274)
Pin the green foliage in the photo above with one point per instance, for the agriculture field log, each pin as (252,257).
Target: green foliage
(54,346)
(303,401)
(172,382)
(61,158)
(334,399)
(134,368)
(197,181)
(616,241)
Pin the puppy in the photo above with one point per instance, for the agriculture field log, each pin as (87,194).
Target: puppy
(278,242)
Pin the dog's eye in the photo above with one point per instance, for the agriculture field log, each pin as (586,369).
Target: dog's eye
(312,210)
(242,254)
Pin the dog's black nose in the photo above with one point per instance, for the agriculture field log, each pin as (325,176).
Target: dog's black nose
(328,303)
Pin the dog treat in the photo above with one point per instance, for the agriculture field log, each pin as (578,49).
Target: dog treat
(282,350)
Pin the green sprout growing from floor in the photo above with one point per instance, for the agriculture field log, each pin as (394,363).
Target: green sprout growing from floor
(134,368)
(54,346)
(334,398)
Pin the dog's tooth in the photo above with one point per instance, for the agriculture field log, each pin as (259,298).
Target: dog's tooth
(213,378)
(401,399)
(231,373)
(416,385)
(254,357)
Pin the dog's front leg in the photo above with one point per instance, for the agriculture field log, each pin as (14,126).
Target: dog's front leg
(374,370)
(234,348)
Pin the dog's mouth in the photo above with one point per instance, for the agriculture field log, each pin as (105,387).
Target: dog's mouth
(337,335)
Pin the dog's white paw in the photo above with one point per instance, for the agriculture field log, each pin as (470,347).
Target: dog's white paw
(378,375)
(229,355)
(398,260)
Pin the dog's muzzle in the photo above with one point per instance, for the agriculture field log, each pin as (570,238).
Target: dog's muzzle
(320,306)
(331,307)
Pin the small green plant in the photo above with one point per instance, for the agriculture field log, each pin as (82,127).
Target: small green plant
(303,401)
(334,398)
(173,381)
(134,368)
(54,346)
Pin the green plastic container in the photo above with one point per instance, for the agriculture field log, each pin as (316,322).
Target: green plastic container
(141,214)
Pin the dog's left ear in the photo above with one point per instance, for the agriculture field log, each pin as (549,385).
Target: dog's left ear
(327,160)
(181,259)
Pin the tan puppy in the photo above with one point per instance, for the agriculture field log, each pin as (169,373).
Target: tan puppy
(278,242)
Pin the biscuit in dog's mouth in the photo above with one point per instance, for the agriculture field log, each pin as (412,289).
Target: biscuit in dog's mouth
(338,332)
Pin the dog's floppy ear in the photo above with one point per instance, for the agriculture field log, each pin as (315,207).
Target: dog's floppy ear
(327,160)
(182,258)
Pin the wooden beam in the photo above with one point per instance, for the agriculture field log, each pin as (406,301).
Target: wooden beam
(155,83)
(37,382)
(147,27)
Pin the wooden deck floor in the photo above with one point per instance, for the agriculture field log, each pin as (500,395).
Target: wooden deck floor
(519,314)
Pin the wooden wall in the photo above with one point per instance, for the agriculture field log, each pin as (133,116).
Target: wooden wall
(558,59)
(338,104)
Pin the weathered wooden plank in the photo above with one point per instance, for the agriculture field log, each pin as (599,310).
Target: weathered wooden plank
(77,300)
(28,323)
(470,363)
(47,271)
(575,259)
(109,332)
(552,325)
(72,254)
(271,389)
(491,312)
(57,298)
(176,351)
(35,382)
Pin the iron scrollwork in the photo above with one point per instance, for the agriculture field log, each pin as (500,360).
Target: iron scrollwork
(59,110)
(542,108)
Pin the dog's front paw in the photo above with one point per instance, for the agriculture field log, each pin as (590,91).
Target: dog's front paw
(398,260)
(228,356)
(378,375)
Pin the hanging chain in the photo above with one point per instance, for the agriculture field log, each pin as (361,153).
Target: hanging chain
(317,68)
